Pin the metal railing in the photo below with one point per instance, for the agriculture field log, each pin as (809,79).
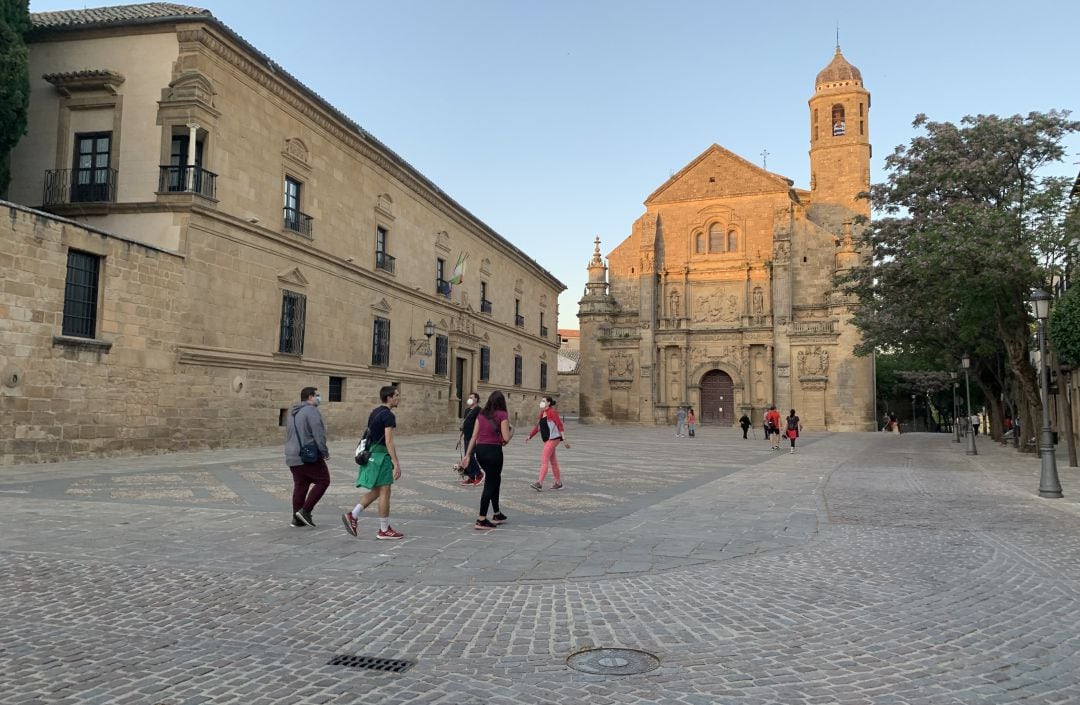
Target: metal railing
(187,179)
(519,321)
(297,221)
(96,185)
(442,288)
(384,261)
(485,306)
(543,331)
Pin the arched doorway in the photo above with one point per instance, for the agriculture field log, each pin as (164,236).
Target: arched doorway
(717,399)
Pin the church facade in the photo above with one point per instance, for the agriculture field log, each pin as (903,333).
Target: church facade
(722,297)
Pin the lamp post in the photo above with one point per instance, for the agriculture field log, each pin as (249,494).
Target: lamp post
(956,424)
(1049,484)
(914,424)
(966,362)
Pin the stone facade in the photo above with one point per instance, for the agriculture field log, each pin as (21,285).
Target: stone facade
(182,159)
(722,297)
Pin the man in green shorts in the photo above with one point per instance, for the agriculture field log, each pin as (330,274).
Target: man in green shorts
(382,468)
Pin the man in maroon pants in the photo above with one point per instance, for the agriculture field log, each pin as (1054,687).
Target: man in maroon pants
(304,426)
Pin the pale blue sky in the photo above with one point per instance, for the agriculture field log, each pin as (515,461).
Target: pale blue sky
(552,121)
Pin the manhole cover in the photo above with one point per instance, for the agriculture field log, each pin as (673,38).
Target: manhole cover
(613,662)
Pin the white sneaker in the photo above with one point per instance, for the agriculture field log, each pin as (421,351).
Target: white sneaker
(792,450)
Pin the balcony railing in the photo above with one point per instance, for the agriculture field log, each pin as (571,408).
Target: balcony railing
(543,331)
(97,185)
(187,179)
(485,306)
(519,321)
(442,288)
(384,261)
(297,221)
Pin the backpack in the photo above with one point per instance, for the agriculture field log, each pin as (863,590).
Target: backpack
(793,423)
(363,448)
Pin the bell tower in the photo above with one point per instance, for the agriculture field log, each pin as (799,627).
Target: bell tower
(840,137)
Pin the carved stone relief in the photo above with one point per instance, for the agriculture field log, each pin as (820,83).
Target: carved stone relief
(621,366)
(813,362)
(716,307)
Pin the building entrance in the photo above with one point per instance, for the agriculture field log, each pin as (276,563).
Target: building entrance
(717,399)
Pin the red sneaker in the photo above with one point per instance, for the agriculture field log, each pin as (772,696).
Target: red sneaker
(390,534)
(350,522)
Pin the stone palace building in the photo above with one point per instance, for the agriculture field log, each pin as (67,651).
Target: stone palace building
(722,297)
(193,235)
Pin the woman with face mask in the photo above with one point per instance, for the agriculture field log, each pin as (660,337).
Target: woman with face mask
(551,430)
(473,474)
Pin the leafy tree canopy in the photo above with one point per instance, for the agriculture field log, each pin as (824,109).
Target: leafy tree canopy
(14,79)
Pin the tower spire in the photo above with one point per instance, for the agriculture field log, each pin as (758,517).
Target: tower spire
(838,37)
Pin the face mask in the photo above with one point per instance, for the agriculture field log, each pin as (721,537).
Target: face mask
(471,402)
(318,399)
(543,405)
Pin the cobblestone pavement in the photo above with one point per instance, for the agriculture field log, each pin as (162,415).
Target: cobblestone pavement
(864,569)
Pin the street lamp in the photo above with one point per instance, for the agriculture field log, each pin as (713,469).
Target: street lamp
(1049,484)
(914,424)
(956,425)
(966,362)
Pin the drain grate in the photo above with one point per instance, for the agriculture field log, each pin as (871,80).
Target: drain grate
(613,662)
(391,665)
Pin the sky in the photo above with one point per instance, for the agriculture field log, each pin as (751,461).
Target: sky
(553,120)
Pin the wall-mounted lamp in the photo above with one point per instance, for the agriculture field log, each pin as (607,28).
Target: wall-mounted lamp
(429,329)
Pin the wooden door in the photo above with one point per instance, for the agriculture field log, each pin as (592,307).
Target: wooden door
(717,399)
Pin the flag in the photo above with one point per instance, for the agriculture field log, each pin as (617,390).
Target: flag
(459,269)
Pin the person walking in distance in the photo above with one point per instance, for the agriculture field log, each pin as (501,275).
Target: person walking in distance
(382,469)
(680,422)
(794,426)
(551,430)
(493,431)
(772,423)
(975,424)
(473,475)
(691,422)
(744,421)
(310,480)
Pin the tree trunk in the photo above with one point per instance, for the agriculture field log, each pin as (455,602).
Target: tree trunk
(1029,401)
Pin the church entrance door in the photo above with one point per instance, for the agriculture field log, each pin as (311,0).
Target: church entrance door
(717,399)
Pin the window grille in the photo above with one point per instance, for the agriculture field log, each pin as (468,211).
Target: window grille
(380,342)
(293,316)
(517,370)
(81,294)
(442,348)
(485,364)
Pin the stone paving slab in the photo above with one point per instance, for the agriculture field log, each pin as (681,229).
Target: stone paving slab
(863,569)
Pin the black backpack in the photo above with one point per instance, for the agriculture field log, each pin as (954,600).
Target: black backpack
(793,423)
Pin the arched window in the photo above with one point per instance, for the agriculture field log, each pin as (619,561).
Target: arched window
(699,244)
(716,238)
(838,126)
(732,241)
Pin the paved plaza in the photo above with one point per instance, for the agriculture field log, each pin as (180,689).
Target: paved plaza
(866,568)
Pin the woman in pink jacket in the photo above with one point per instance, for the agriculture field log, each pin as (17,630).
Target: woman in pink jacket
(551,430)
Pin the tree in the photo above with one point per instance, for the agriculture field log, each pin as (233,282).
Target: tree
(970,226)
(1064,329)
(14,79)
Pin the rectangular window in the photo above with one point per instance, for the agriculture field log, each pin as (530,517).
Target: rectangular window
(383,260)
(293,315)
(441,285)
(543,375)
(485,364)
(81,294)
(380,342)
(519,320)
(517,370)
(337,389)
(485,305)
(295,220)
(543,328)
(91,176)
(442,350)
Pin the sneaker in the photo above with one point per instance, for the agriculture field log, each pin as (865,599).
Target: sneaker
(389,534)
(468,482)
(296,522)
(792,450)
(483,525)
(557,486)
(537,486)
(305,516)
(480,478)
(350,522)
(498,518)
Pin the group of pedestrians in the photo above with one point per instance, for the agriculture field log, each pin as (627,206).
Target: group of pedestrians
(771,423)
(484,432)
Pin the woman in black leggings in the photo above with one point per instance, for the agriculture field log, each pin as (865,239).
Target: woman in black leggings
(491,433)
